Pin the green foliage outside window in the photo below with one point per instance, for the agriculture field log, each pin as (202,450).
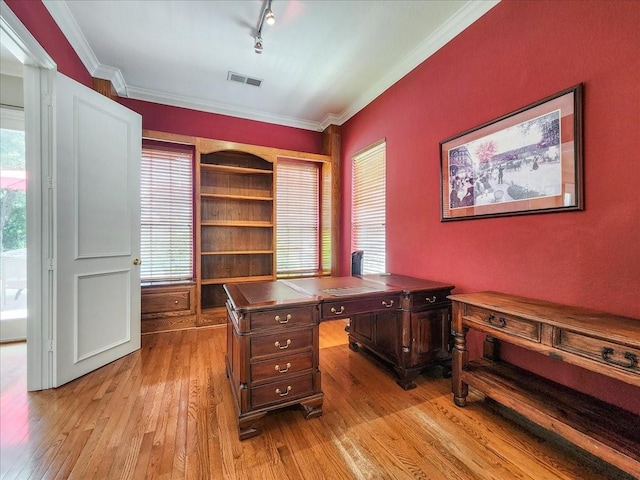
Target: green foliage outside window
(13,234)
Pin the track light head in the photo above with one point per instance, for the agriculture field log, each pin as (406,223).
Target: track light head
(257,46)
(265,15)
(270,17)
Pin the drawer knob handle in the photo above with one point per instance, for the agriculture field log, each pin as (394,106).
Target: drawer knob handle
(282,347)
(286,319)
(607,352)
(432,299)
(278,369)
(500,322)
(176,302)
(337,312)
(388,305)
(283,394)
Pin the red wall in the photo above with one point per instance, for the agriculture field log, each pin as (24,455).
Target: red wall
(520,52)
(184,121)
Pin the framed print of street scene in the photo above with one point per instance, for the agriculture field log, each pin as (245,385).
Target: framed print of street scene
(529,161)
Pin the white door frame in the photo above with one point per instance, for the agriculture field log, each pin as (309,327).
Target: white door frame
(39,74)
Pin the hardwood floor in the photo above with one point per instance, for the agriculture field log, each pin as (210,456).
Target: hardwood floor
(165,412)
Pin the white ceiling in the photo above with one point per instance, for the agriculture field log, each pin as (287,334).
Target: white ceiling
(323,60)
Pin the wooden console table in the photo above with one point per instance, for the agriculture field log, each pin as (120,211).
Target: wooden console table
(600,342)
(272,354)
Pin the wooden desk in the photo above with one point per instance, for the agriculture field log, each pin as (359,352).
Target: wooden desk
(597,341)
(272,335)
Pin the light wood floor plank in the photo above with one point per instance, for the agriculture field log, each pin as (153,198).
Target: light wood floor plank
(166,412)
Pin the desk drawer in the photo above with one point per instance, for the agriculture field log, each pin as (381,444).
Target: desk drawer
(281,367)
(603,351)
(346,308)
(282,317)
(282,391)
(429,297)
(282,343)
(497,321)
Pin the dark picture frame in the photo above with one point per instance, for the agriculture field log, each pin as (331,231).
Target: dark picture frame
(528,161)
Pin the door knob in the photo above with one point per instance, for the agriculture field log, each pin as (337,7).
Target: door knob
(137,261)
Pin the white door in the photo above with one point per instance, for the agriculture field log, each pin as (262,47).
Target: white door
(97,224)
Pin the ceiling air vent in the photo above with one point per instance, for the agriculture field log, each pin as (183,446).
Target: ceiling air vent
(236,77)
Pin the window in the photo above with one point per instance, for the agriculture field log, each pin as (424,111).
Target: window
(13,225)
(166,184)
(298,218)
(369,207)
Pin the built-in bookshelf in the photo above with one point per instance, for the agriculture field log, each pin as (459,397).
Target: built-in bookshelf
(237,223)
(235,220)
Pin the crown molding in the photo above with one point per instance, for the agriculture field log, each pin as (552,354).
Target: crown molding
(472,11)
(218,108)
(63,17)
(114,75)
(67,23)
(469,13)
(330,119)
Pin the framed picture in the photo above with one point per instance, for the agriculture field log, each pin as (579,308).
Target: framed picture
(529,161)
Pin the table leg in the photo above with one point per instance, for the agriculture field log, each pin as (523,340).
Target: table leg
(460,358)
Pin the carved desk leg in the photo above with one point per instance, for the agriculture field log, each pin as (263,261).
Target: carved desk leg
(312,408)
(460,359)
(246,425)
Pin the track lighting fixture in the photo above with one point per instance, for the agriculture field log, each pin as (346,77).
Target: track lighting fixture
(268,16)
(258,45)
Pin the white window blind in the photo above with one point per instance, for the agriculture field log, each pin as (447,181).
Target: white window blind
(369,207)
(166,197)
(298,218)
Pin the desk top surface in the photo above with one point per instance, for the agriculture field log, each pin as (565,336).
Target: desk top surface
(315,290)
